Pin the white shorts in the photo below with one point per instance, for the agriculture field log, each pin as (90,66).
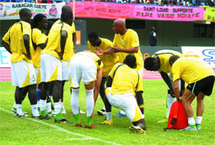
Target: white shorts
(127,103)
(65,70)
(81,68)
(23,74)
(51,68)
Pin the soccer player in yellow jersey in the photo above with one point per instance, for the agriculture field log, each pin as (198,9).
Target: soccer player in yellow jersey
(126,42)
(125,83)
(57,49)
(160,62)
(85,67)
(17,41)
(109,60)
(70,52)
(200,79)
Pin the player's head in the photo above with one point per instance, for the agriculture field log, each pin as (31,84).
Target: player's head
(94,39)
(119,26)
(153,28)
(173,58)
(67,17)
(66,8)
(152,63)
(39,21)
(25,15)
(130,60)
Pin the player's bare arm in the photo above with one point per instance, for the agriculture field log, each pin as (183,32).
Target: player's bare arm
(27,46)
(97,84)
(129,50)
(168,82)
(176,89)
(64,35)
(7,46)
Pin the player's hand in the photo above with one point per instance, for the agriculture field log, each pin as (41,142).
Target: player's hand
(60,55)
(179,99)
(99,52)
(181,92)
(28,56)
(171,92)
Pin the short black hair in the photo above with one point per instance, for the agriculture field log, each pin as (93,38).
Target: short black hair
(37,18)
(66,15)
(130,60)
(23,12)
(93,35)
(173,58)
(149,63)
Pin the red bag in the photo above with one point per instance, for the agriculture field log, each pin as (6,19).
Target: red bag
(177,117)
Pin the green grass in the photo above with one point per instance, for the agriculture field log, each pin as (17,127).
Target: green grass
(17,131)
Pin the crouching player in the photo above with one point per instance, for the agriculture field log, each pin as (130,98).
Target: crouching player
(125,84)
(200,79)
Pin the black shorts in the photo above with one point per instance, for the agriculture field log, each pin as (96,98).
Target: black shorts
(204,85)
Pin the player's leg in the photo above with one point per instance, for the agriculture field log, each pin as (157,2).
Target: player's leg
(187,99)
(89,87)
(19,96)
(102,94)
(33,100)
(62,92)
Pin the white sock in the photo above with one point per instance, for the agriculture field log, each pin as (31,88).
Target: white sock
(57,107)
(14,105)
(38,104)
(74,101)
(19,109)
(104,108)
(198,119)
(108,116)
(42,105)
(122,112)
(191,121)
(90,102)
(48,107)
(143,116)
(34,110)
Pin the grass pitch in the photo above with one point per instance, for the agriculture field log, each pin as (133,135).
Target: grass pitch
(28,131)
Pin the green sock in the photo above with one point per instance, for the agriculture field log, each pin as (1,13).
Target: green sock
(88,121)
(77,119)
(199,125)
(43,113)
(58,116)
(193,126)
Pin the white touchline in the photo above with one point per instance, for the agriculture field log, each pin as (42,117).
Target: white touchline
(64,130)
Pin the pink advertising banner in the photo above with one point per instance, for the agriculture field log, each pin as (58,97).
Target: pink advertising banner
(151,12)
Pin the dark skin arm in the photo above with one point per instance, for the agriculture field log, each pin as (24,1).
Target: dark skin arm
(109,81)
(64,36)
(74,41)
(7,46)
(168,82)
(182,87)
(43,45)
(27,46)
(111,50)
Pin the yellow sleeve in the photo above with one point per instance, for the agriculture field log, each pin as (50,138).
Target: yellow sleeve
(113,69)
(26,29)
(90,46)
(73,27)
(6,37)
(134,40)
(175,71)
(39,37)
(139,85)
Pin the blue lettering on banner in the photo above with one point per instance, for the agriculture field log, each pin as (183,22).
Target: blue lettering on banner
(210,55)
(3,60)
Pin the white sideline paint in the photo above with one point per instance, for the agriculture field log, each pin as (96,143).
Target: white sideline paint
(85,137)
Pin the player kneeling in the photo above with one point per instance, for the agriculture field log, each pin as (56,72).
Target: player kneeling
(125,84)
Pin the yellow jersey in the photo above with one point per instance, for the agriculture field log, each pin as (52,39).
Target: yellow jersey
(109,60)
(190,69)
(54,44)
(14,37)
(37,38)
(129,40)
(125,81)
(164,56)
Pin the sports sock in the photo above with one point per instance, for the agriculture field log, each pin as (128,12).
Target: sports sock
(74,101)
(88,121)
(77,119)
(42,107)
(108,116)
(191,122)
(48,107)
(90,102)
(19,109)
(122,112)
(34,110)
(58,114)
(198,119)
